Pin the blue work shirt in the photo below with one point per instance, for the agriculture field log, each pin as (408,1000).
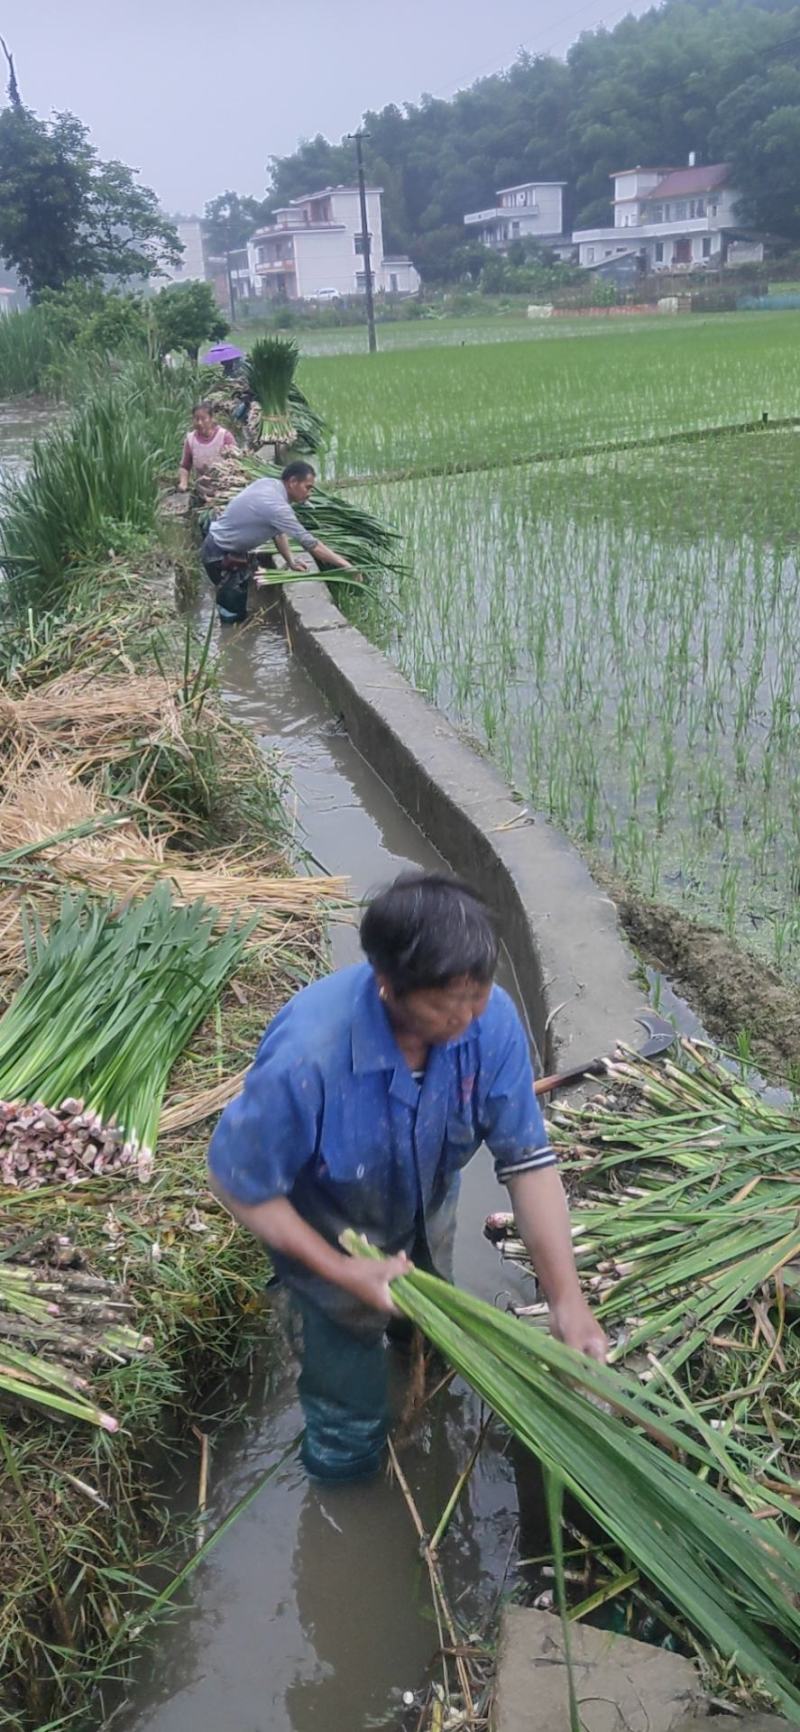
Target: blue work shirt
(331,1118)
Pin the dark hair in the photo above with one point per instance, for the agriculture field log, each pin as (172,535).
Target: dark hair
(298,471)
(206,406)
(427,928)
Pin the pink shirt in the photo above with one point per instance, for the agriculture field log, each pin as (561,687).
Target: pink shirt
(200,453)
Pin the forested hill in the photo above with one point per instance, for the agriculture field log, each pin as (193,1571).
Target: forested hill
(720,77)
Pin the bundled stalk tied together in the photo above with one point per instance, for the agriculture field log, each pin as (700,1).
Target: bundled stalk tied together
(55,1322)
(733,1577)
(109,1001)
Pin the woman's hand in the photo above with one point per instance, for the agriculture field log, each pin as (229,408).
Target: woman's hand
(369,1281)
(573,1322)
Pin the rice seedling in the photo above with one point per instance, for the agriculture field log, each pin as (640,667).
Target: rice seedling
(621,671)
(644,1466)
(563,387)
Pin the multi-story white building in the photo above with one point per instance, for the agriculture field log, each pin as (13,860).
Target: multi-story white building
(315,247)
(531,211)
(672,218)
(191,267)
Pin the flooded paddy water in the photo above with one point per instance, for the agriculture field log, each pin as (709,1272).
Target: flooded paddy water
(623,636)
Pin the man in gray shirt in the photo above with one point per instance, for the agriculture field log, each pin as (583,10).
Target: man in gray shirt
(262,512)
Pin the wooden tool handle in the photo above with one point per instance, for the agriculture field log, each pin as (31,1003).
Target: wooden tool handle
(545,1085)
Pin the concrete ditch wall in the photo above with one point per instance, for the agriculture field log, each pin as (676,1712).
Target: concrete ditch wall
(574,969)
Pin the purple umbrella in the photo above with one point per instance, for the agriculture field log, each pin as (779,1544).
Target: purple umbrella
(221,352)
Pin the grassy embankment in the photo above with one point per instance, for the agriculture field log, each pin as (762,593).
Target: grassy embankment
(112,740)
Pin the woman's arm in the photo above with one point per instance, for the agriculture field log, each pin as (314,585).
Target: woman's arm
(278,1225)
(186,464)
(542,1217)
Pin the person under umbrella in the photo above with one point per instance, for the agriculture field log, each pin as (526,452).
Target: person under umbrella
(224,355)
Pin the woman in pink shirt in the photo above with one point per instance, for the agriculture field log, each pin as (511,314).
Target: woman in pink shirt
(204,445)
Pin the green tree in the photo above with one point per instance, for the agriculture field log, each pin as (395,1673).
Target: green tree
(185,316)
(67,216)
(84,315)
(230,219)
(717,77)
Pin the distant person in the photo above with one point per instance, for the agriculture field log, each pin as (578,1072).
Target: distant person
(203,445)
(264,511)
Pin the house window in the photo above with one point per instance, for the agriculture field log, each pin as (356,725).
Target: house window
(590,255)
(706,246)
(393,283)
(659,252)
(514,231)
(361,279)
(697,208)
(680,211)
(358,243)
(657,213)
(712,210)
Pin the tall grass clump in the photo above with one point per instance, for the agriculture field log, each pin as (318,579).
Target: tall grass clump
(91,485)
(28,348)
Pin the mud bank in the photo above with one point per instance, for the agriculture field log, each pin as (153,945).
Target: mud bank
(734,992)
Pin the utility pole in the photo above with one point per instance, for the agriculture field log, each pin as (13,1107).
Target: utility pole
(362,194)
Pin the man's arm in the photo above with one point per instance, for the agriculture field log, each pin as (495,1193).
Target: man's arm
(542,1218)
(289,524)
(326,556)
(278,1225)
(282,543)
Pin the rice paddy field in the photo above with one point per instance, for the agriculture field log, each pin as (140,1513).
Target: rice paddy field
(620,632)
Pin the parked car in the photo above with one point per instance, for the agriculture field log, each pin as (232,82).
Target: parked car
(326,295)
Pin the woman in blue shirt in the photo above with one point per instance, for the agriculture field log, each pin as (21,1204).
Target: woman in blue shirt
(370,1091)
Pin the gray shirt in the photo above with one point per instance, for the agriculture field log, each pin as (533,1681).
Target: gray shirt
(255,515)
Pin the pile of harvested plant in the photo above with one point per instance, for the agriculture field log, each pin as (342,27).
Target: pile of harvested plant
(685,1506)
(685,1226)
(149,927)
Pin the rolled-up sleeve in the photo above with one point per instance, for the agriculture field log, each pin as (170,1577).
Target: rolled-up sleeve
(269,1133)
(286,523)
(513,1126)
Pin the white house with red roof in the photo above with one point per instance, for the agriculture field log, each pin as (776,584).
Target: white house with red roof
(672,219)
(314,249)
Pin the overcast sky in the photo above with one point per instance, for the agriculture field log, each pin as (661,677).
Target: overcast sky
(198,94)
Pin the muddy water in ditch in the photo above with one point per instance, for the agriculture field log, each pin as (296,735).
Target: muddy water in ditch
(20,424)
(313,1614)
